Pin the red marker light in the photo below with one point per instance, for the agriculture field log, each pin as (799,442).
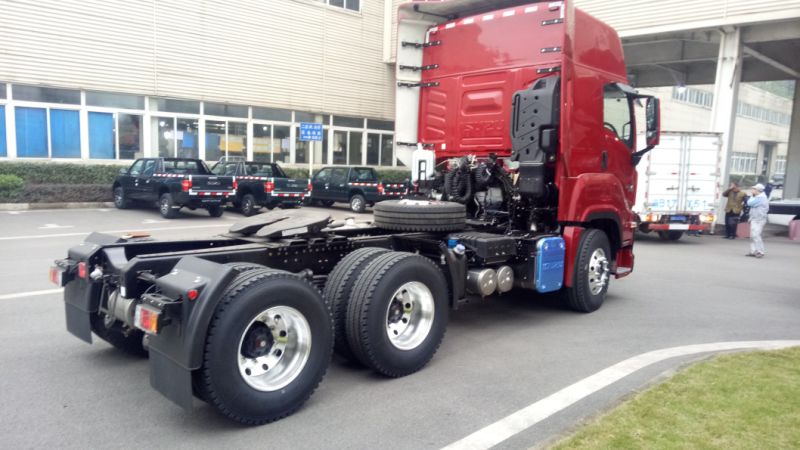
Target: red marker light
(186,185)
(82,272)
(269,186)
(192,294)
(235,184)
(146,319)
(381,189)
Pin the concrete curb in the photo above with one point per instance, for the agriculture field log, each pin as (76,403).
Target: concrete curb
(67,205)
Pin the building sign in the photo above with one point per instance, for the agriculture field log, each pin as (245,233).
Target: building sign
(310,131)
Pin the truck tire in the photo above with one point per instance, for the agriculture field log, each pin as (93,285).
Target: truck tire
(216,211)
(327,203)
(591,272)
(165,206)
(339,289)
(397,315)
(268,347)
(245,266)
(120,200)
(670,235)
(358,204)
(420,215)
(248,205)
(130,342)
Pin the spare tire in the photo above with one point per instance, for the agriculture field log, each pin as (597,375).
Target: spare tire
(420,215)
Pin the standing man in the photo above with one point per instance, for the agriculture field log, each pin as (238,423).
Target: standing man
(759,207)
(733,209)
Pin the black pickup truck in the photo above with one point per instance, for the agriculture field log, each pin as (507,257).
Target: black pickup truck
(262,184)
(358,186)
(174,183)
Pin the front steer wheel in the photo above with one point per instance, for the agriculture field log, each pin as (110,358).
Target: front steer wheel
(120,200)
(268,347)
(397,314)
(592,273)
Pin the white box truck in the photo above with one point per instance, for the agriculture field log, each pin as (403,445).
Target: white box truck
(679,184)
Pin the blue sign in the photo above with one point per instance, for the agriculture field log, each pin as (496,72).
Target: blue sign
(310,131)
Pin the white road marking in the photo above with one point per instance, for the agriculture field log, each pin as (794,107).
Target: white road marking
(30,294)
(43,236)
(529,416)
(147,221)
(52,226)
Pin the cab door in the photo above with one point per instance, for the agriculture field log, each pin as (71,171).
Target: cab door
(619,138)
(338,189)
(321,184)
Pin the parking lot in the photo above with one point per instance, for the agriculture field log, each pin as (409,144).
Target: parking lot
(499,355)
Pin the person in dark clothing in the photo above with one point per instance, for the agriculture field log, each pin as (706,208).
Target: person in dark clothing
(733,209)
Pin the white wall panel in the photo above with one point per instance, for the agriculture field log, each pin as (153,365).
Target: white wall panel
(296,54)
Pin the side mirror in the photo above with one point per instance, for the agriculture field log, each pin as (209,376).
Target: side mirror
(123,171)
(653,114)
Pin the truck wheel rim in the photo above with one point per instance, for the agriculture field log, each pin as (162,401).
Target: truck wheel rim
(118,196)
(164,206)
(283,342)
(356,204)
(598,271)
(409,317)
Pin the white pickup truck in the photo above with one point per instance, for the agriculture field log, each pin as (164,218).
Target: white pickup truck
(679,184)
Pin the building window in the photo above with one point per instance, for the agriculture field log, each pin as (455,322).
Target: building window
(765,115)
(3,145)
(380,149)
(65,133)
(278,115)
(46,95)
(352,5)
(225,138)
(175,106)
(129,128)
(780,163)
(347,147)
(102,136)
(743,163)
(224,110)
(31,132)
(109,100)
(384,125)
(282,142)
(262,142)
(187,138)
(2,90)
(350,122)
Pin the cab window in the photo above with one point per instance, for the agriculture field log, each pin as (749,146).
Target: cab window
(323,175)
(136,168)
(339,176)
(261,170)
(149,168)
(617,117)
(362,175)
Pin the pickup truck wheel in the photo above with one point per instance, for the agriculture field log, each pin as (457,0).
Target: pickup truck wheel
(420,215)
(591,275)
(670,235)
(358,204)
(120,201)
(339,289)
(248,206)
(397,315)
(268,347)
(165,206)
(215,211)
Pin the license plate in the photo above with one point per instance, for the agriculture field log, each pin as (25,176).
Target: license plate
(678,218)
(678,227)
(210,200)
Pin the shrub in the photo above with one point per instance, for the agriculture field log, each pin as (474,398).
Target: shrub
(10,187)
(46,172)
(63,193)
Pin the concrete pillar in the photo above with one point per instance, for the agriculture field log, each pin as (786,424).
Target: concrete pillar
(791,186)
(726,93)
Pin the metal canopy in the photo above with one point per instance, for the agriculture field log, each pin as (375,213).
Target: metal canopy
(770,52)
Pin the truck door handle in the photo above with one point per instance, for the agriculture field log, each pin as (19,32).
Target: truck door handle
(604,163)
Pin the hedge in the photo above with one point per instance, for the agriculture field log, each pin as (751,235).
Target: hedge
(10,187)
(65,193)
(60,173)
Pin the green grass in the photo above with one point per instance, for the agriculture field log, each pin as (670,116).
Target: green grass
(736,401)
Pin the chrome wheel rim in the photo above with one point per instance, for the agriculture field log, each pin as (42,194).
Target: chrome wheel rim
(274,348)
(356,204)
(164,206)
(409,316)
(118,196)
(598,271)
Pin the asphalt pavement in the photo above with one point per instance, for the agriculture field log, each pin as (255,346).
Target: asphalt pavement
(499,355)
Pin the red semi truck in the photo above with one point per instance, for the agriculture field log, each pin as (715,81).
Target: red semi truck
(525,151)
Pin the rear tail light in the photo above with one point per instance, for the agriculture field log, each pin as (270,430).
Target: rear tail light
(186,185)
(235,184)
(269,186)
(82,270)
(310,186)
(147,319)
(381,188)
(56,275)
